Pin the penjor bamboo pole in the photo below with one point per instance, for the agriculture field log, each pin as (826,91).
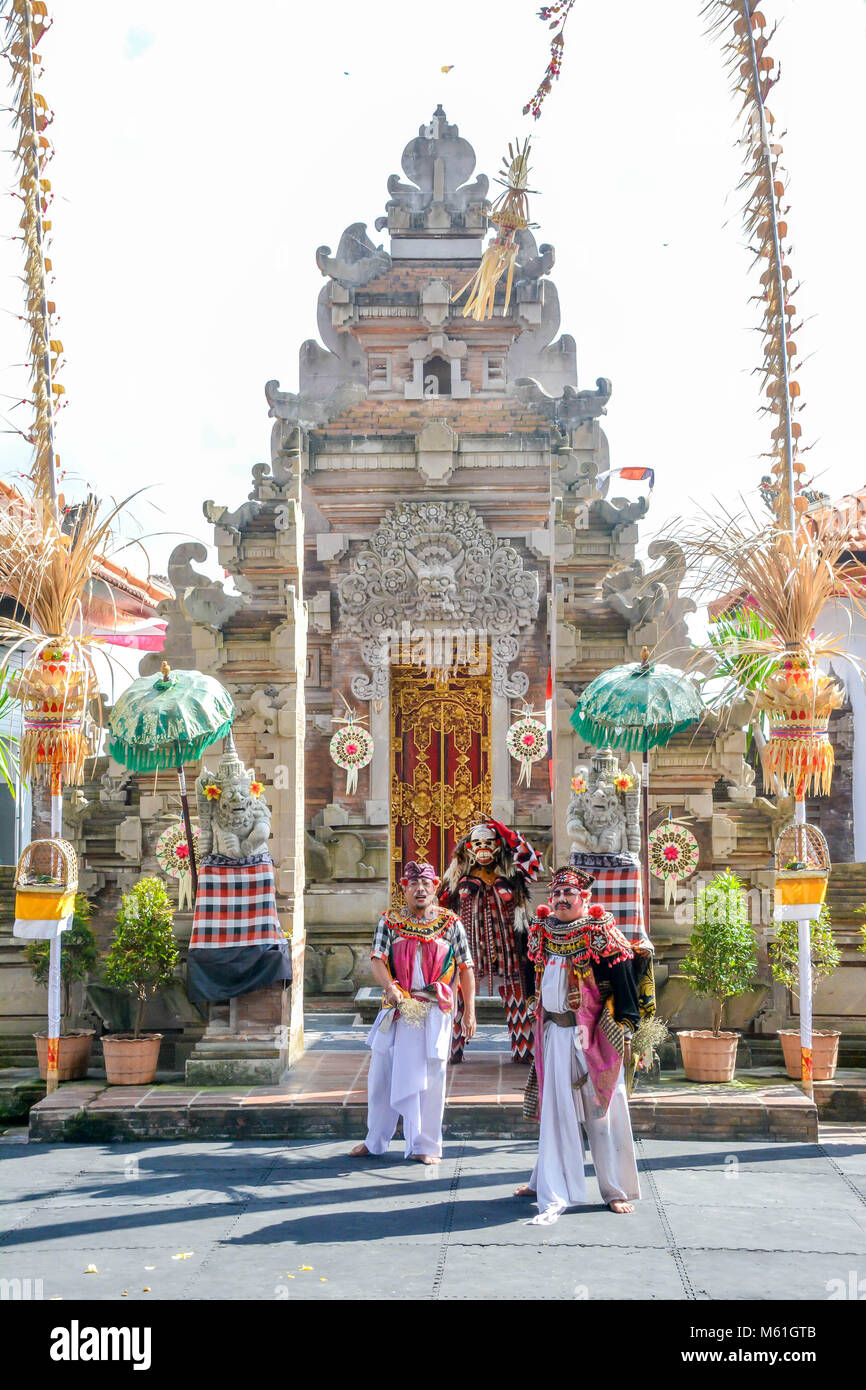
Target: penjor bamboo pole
(804,929)
(54,952)
(804,954)
(28,116)
(644,793)
(40,238)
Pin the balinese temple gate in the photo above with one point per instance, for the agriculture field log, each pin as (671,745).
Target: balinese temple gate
(432,535)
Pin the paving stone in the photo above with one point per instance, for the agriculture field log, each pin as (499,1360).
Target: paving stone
(813,1228)
(776,1274)
(581,1272)
(98,1227)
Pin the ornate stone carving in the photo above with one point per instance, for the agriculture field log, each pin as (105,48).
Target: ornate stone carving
(357,260)
(503,651)
(436,563)
(291,408)
(440,196)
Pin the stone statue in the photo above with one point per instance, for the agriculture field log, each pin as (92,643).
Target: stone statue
(602,818)
(234,820)
(237,944)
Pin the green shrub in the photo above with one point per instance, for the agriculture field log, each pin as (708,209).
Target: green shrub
(143,954)
(78,954)
(723,953)
(784,952)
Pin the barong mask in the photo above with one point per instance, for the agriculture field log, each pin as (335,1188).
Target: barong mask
(483,845)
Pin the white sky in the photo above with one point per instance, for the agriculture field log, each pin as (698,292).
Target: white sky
(204,151)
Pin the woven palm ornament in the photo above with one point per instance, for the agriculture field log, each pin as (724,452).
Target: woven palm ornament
(55,688)
(351,749)
(798,755)
(172,855)
(673,854)
(526,741)
(510,216)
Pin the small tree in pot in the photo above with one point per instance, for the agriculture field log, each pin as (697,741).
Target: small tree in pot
(784,953)
(78,957)
(142,957)
(720,964)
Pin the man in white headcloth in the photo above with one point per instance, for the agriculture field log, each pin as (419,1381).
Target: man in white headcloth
(420,957)
(586,1011)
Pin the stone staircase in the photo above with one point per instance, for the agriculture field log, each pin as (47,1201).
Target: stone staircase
(846,892)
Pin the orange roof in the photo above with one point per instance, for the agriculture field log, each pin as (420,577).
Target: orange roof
(137,595)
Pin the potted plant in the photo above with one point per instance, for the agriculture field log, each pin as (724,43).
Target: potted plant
(720,964)
(143,955)
(78,956)
(784,953)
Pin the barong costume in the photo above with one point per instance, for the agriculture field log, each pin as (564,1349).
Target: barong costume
(491,903)
(586,1010)
(410,1046)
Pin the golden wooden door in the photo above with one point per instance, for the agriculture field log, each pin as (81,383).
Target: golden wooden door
(440,763)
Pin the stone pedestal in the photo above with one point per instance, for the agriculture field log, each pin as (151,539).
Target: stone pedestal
(246,1042)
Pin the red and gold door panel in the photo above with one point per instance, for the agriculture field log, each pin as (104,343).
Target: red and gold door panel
(440,763)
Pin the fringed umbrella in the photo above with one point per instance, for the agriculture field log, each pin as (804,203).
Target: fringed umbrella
(638,707)
(166,721)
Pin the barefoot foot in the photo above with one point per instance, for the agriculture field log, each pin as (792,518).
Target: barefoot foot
(524,1190)
(426,1158)
(621,1208)
(360,1151)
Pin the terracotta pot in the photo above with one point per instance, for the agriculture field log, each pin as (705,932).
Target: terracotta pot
(825,1053)
(708,1058)
(131,1061)
(73,1054)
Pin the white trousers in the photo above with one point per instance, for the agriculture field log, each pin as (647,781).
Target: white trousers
(567,1115)
(421,1109)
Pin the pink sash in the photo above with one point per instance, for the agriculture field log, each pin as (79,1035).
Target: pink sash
(602,1059)
(434,953)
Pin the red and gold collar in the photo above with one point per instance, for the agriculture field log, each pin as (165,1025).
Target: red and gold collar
(401,922)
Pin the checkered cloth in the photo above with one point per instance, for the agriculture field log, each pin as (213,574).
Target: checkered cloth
(235,906)
(619,891)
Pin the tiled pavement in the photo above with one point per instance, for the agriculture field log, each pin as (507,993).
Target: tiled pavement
(300,1220)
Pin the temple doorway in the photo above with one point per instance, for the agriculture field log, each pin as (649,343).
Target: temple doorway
(440,763)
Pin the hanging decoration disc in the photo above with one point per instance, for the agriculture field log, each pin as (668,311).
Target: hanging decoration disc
(526,741)
(673,854)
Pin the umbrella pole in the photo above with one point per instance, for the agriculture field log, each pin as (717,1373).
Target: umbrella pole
(645,875)
(187,825)
(54,952)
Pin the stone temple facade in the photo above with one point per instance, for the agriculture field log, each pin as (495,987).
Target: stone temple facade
(432,534)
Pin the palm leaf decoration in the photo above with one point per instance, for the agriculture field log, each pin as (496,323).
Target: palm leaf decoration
(754,74)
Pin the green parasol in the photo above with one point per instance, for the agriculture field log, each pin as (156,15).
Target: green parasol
(166,721)
(637,707)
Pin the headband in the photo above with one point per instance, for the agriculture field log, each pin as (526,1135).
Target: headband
(568,877)
(418,869)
